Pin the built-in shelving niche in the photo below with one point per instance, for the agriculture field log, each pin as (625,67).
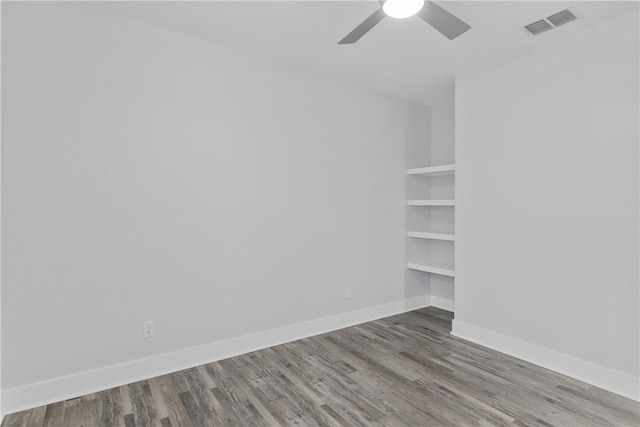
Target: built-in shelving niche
(420,227)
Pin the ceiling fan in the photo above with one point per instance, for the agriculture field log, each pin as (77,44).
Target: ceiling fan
(446,23)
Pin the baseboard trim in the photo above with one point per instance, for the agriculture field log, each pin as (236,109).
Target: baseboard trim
(443,303)
(68,387)
(591,373)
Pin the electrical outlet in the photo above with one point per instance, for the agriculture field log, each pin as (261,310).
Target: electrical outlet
(348,292)
(149,329)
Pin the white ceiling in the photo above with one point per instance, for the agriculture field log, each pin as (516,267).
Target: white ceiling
(405,58)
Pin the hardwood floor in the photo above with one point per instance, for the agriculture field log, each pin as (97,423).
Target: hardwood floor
(405,370)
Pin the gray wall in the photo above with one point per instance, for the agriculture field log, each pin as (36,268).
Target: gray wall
(547,201)
(152,175)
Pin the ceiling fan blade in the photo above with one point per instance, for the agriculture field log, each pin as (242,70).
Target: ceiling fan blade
(449,25)
(363,28)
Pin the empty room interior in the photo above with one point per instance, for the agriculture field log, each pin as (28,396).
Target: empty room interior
(320,213)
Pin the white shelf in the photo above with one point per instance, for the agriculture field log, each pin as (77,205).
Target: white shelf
(431,202)
(441,268)
(433,170)
(433,236)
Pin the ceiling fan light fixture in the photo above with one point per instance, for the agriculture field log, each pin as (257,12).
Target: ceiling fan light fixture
(400,9)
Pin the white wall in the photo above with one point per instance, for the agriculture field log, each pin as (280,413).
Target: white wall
(152,175)
(547,205)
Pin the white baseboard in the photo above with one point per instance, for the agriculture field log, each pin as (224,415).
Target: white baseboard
(68,387)
(597,375)
(443,303)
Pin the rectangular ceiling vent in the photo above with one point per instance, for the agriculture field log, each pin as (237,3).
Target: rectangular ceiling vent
(550,22)
(538,27)
(560,18)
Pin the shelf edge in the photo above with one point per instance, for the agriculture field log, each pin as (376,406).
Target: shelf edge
(431,269)
(424,202)
(431,236)
(433,170)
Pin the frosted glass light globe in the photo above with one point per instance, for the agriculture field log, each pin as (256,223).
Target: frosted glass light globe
(402,8)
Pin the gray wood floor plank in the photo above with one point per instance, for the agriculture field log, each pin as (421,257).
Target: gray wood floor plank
(404,370)
(198,401)
(233,397)
(12,420)
(32,417)
(37,416)
(299,400)
(333,415)
(129,421)
(81,413)
(54,416)
(340,390)
(205,399)
(197,414)
(125,399)
(438,407)
(110,409)
(169,397)
(162,410)
(242,378)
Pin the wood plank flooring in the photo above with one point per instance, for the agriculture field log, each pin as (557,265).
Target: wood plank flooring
(405,370)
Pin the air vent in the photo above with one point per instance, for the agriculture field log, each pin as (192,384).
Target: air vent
(561,18)
(556,19)
(538,27)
